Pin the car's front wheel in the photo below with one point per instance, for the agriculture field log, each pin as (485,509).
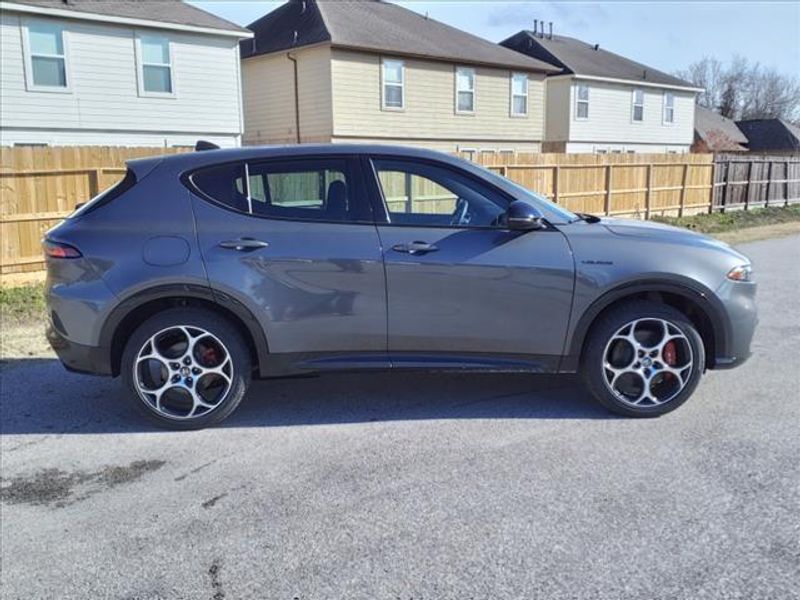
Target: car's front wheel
(187,368)
(643,359)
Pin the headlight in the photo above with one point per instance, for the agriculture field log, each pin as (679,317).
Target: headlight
(741,273)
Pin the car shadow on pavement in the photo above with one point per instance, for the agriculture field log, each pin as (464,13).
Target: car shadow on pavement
(39,397)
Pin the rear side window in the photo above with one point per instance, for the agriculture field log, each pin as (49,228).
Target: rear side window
(317,190)
(103,198)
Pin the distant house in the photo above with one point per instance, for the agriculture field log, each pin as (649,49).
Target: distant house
(121,73)
(602,102)
(771,135)
(372,71)
(715,133)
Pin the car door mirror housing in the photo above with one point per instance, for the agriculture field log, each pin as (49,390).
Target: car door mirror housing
(521,216)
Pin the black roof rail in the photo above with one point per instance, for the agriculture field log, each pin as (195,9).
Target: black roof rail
(204,145)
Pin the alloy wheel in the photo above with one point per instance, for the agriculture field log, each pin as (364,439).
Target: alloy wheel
(183,372)
(647,362)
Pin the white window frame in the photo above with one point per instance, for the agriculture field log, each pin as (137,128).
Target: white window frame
(140,64)
(402,84)
(634,104)
(30,85)
(526,95)
(578,101)
(668,107)
(474,90)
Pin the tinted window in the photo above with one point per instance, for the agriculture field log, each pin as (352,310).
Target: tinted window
(429,195)
(320,190)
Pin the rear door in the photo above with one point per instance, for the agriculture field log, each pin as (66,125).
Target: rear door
(460,286)
(295,241)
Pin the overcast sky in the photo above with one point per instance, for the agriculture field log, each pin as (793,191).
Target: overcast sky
(665,35)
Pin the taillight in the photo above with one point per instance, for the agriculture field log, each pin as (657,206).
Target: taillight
(60,250)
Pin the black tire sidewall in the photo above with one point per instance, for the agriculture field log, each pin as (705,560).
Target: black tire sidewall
(592,370)
(203,319)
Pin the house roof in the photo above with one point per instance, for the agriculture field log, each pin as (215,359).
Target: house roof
(771,135)
(376,26)
(719,133)
(173,12)
(573,56)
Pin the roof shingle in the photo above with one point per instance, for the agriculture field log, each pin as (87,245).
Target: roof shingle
(377,26)
(166,11)
(719,133)
(579,58)
(771,135)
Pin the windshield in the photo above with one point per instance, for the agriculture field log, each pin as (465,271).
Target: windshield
(562,214)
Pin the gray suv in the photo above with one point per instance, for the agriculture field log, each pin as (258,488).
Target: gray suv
(200,271)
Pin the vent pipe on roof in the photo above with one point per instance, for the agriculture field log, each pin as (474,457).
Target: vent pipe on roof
(550,32)
(596,47)
(535,26)
(541,31)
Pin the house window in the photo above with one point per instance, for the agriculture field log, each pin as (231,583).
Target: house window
(669,107)
(638,105)
(48,56)
(519,94)
(582,102)
(155,60)
(465,90)
(394,82)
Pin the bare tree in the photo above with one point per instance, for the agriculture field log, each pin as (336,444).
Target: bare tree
(744,90)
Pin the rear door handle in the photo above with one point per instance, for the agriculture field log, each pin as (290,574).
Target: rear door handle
(415,248)
(243,244)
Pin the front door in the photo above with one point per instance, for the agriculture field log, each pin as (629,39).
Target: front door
(294,240)
(461,288)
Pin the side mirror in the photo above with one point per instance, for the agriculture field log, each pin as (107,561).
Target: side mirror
(521,216)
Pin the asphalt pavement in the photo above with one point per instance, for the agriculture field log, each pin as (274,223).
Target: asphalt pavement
(414,486)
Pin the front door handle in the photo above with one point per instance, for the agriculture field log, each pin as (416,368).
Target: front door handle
(415,248)
(243,244)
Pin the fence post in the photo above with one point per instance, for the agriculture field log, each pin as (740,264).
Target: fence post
(727,185)
(94,182)
(648,194)
(556,177)
(683,189)
(769,184)
(608,190)
(747,187)
(713,195)
(786,177)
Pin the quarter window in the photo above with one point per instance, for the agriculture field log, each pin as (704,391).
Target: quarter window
(669,107)
(519,94)
(638,105)
(48,57)
(582,102)
(394,84)
(465,90)
(423,194)
(155,58)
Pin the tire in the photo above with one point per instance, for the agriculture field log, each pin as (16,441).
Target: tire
(186,368)
(633,373)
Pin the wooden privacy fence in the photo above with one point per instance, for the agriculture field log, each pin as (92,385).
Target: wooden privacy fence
(39,186)
(745,181)
(633,185)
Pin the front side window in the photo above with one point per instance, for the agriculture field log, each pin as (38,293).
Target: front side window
(519,94)
(465,90)
(669,107)
(393,84)
(427,195)
(48,56)
(638,105)
(582,102)
(316,190)
(155,60)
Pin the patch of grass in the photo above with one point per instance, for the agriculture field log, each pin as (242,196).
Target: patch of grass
(731,221)
(21,304)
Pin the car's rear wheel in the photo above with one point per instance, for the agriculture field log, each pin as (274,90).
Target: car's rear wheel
(187,368)
(643,359)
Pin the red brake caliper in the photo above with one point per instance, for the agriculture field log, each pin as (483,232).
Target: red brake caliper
(209,356)
(670,353)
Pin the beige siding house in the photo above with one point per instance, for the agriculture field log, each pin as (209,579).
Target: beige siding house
(370,71)
(605,103)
